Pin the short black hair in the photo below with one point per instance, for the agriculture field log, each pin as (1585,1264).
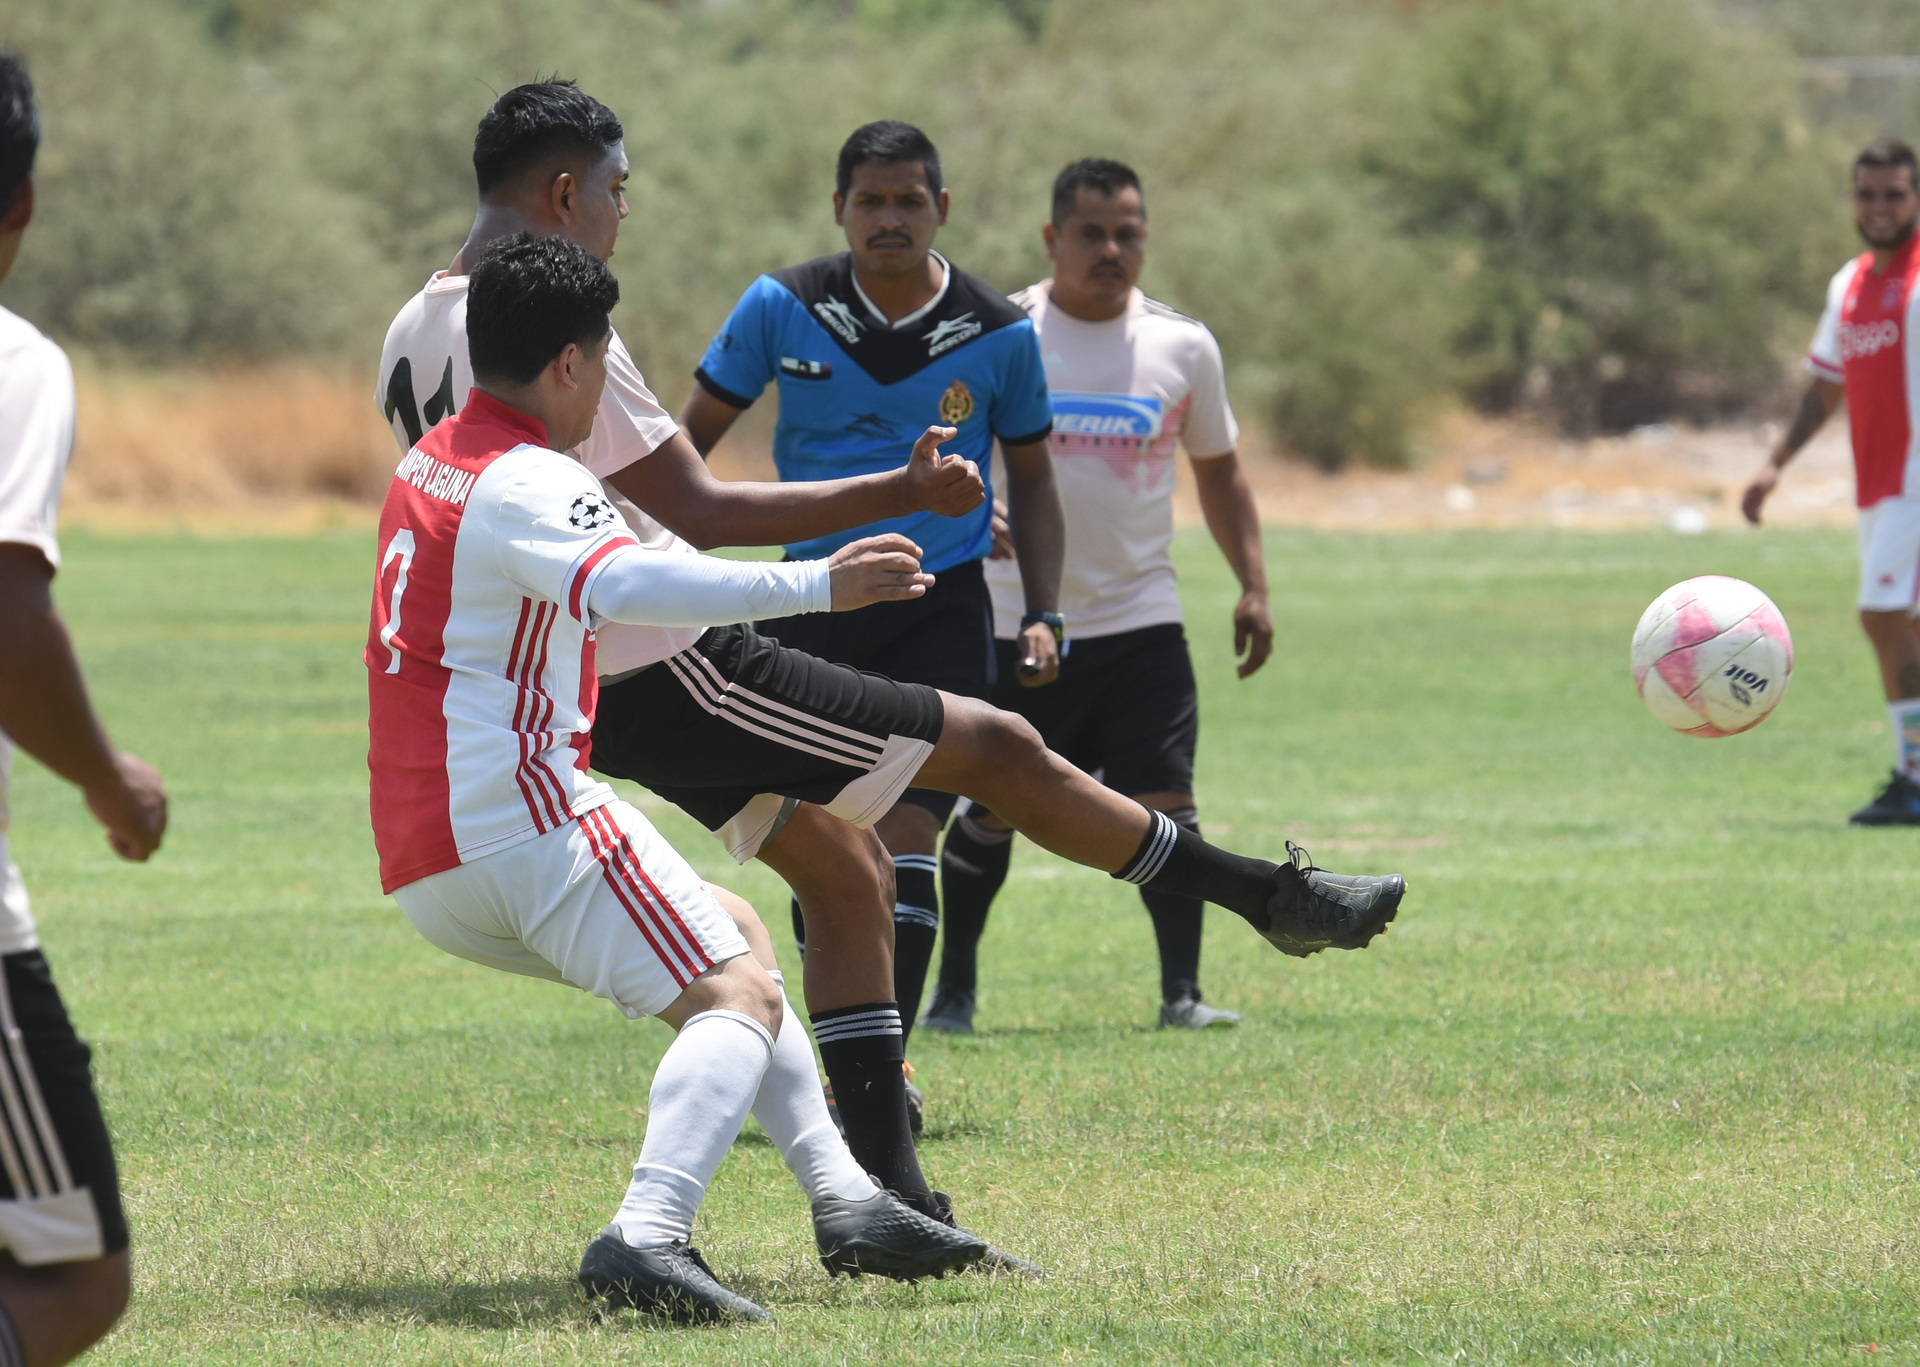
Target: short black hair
(887,140)
(1098,174)
(531,124)
(1890,152)
(528,298)
(19,125)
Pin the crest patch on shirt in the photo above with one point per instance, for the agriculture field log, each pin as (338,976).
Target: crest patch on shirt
(956,405)
(589,512)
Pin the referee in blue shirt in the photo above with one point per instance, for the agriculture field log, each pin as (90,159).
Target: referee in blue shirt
(869,347)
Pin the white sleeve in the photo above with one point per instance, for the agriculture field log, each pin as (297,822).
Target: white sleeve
(1210,429)
(630,424)
(1824,358)
(660,589)
(36,442)
(554,531)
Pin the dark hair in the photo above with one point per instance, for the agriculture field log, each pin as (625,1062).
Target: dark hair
(1092,173)
(19,125)
(888,140)
(1890,152)
(528,298)
(533,124)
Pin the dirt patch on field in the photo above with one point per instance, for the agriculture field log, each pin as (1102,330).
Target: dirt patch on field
(293,449)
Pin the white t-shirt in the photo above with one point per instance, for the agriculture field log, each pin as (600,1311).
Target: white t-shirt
(425,375)
(36,442)
(1126,393)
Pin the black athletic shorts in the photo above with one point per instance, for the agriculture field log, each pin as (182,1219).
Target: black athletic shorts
(1125,706)
(737,727)
(943,639)
(59,1189)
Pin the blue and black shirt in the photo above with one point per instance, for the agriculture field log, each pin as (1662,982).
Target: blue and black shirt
(857,392)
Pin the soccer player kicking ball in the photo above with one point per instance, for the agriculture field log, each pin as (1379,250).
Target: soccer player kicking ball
(498,559)
(1132,382)
(1864,352)
(63,1237)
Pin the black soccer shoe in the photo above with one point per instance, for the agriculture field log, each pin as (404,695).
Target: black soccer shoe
(995,1260)
(889,1238)
(672,1280)
(1312,910)
(951,1012)
(1897,805)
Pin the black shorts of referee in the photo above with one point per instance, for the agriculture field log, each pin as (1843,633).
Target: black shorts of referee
(1125,707)
(59,1188)
(738,728)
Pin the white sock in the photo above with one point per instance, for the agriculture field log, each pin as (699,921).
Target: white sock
(1905,716)
(702,1091)
(793,1112)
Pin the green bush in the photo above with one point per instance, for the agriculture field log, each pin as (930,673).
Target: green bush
(1649,217)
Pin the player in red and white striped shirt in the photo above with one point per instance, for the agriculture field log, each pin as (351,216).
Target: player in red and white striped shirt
(499,557)
(1864,352)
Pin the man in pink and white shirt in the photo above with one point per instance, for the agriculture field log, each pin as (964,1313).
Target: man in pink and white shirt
(1864,352)
(499,559)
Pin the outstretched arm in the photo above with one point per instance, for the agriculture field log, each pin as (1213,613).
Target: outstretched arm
(1816,406)
(674,486)
(44,708)
(1226,501)
(668,589)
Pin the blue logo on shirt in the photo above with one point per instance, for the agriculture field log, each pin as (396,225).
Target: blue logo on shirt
(1106,415)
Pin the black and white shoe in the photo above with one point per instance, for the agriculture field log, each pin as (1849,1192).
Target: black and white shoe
(672,1280)
(1897,805)
(995,1260)
(1190,1013)
(889,1238)
(1312,910)
(951,1012)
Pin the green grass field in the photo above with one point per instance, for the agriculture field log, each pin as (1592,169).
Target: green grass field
(1633,1079)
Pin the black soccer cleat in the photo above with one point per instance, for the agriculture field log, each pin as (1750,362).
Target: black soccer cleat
(951,1012)
(1312,910)
(994,1260)
(885,1236)
(1897,805)
(672,1280)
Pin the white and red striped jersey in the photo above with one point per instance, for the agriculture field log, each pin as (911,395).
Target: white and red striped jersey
(1862,342)
(480,653)
(425,376)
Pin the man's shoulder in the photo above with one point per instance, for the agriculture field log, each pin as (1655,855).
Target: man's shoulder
(30,351)
(970,295)
(1165,315)
(810,282)
(435,306)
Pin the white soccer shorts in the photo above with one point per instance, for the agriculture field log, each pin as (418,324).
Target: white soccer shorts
(603,903)
(1890,555)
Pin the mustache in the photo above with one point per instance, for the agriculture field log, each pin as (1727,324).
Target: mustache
(878,238)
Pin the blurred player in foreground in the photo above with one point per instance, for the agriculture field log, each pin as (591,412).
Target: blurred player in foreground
(64,1271)
(499,558)
(1132,382)
(1864,352)
(867,347)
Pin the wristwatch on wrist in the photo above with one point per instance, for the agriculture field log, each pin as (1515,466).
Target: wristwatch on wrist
(1054,622)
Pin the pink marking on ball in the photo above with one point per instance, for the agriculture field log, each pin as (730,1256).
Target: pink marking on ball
(1693,625)
(1677,667)
(1767,617)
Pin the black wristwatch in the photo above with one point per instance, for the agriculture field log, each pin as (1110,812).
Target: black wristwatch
(1054,622)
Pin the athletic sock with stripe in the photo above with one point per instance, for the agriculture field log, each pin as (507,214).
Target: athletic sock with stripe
(1176,860)
(916,925)
(973,868)
(861,1048)
(793,1112)
(1178,923)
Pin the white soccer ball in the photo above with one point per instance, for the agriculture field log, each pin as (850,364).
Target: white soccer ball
(1712,656)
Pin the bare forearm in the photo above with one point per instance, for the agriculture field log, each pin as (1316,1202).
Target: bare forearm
(753,513)
(1227,504)
(43,698)
(1816,406)
(1038,526)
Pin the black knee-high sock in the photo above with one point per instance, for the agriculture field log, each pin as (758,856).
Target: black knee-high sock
(862,1048)
(1177,925)
(799,928)
(973,867)
(1172,859)
(916,925)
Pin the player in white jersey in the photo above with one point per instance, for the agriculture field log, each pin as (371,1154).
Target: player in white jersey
(500,559)
(1133,382)
(63,1236)
(549,160)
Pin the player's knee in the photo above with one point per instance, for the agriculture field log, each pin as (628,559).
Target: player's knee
(94,1294)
